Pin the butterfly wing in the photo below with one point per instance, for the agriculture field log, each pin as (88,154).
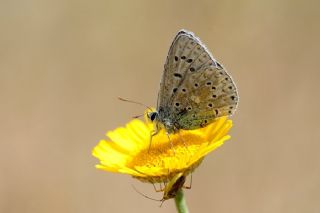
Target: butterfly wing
(195,89)
(184,51)
(210,93)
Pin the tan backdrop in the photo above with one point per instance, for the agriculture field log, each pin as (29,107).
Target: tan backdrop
(64,63)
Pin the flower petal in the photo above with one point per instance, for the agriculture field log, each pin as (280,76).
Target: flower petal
(128,150)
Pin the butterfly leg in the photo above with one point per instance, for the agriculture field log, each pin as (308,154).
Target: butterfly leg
(171,144)
(152,134)
(183,141)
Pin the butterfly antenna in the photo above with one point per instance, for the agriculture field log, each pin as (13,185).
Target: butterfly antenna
(134,102)
(145,195)
(138,116)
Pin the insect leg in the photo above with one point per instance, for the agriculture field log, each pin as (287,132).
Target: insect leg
(189,187)
(157,190)
(171,144)
(152,134)
(183,141)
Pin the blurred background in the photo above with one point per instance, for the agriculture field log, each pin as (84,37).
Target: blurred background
(64,63)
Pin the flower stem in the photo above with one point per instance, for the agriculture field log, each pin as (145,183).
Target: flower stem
(181,202)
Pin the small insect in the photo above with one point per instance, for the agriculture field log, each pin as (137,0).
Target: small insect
(171,188)
(195,89)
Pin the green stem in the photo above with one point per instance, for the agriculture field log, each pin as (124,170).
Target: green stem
(181,202)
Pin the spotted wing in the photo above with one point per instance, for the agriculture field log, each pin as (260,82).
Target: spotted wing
(186,54)
(195,89)
(203,96)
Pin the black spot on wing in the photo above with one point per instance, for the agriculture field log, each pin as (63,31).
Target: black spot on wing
(177,75)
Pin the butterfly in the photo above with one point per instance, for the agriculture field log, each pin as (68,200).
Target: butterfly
(195,89)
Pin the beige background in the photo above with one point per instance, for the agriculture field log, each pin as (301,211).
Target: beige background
(64,63)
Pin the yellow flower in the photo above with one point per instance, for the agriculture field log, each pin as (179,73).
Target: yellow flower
(128,151)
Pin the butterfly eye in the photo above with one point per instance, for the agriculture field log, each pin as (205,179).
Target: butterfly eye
(152,116)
